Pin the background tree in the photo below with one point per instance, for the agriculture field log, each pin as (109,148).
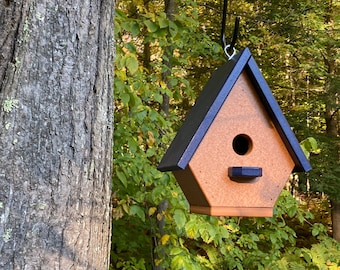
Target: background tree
(55,134)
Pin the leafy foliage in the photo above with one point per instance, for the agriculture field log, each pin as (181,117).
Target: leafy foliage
(158,57)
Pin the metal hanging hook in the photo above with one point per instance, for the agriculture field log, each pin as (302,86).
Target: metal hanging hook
(227,48)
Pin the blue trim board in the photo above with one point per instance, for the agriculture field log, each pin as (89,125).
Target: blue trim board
(202,114)
(279,120)
(208,105)
(245,172)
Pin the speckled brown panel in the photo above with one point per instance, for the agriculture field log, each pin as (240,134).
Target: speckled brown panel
(241,113)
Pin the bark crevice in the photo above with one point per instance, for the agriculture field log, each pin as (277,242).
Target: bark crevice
(55,156)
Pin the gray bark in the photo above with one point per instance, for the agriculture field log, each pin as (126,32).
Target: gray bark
(55,133)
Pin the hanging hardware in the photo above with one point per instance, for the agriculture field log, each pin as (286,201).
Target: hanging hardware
(229,49)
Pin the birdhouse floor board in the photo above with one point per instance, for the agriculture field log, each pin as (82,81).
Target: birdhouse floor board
(233,211)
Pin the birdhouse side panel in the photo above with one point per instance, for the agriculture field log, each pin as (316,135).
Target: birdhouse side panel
(190,187)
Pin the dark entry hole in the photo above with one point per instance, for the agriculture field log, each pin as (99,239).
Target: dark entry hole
(242,144)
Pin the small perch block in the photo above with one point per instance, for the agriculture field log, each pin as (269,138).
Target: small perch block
(244,172)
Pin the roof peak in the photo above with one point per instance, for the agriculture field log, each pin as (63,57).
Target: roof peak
(208,104)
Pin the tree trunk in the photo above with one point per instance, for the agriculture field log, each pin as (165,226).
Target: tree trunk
(332,109)
(170,8)
(55,133)
(336,220)
(332,130)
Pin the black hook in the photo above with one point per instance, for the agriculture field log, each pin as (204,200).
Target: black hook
(228,47)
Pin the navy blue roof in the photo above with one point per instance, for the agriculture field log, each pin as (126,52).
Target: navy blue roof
(208,105)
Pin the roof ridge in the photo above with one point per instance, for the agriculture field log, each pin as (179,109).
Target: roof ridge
(208,104)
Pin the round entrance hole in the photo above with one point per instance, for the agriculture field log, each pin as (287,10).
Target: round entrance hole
(242,144)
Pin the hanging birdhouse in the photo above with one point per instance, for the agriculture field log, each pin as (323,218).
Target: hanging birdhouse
(235,150)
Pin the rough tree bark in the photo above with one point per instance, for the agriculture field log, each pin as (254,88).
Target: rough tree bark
(55,133)
(169,9)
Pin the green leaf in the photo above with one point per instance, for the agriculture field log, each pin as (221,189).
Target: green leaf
(315,231)
(134,28)
(173,29)
(163,21)
(125,97)
(177,262)
(122,178)
(180,219)
(173,81)
(313,143)
(191,228)
(212,254)
(306,255)
(176,251)
(137,210)
(310,145)
(291,211)
(151,26)
(131,63)
(158,97)
(273,238)
(305,151)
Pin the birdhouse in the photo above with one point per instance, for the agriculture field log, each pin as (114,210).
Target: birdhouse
(235,150)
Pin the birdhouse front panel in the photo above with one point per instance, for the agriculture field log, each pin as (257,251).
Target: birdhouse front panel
(235,151)
(241,135)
